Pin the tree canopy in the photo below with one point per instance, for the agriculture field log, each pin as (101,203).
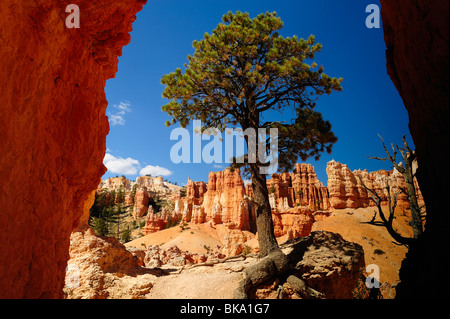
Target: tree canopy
(241,72)
(244,68)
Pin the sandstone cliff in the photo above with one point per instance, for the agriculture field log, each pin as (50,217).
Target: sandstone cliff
(346,189)
(299,188)
(292,196)
(140,193)
(224,202)
(223,199)
(53,131)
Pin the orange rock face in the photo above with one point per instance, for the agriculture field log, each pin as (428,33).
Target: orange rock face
(153,223)
(299,188)
(223,202)
(140,202)
(346,190)
(296,222)
(222,199)
(53,131)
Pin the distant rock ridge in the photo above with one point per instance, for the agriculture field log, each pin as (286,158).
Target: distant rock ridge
(222,199)
(155,184)
(138,194)
(297,199)
(346,190)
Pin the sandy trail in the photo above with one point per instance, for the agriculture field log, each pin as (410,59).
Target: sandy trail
(206,282)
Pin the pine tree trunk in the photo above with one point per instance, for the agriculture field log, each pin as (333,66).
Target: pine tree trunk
(264,224)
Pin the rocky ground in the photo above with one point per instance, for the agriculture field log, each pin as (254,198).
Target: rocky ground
(160,265)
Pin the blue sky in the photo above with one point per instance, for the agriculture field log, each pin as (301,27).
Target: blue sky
(139,143)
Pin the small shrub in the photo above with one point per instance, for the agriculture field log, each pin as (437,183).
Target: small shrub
(361,291)
(247,250)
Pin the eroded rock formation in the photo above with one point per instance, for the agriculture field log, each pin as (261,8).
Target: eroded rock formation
(141,200)
(346,187)
(296,222)
(299,188)
(137,196)
(294,197)
(53,131)
(331,264)
(101,268)
(222,199)
(115,183)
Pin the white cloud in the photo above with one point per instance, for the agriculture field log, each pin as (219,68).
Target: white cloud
(155,171)
(118,165)
(131,166)
(116,116)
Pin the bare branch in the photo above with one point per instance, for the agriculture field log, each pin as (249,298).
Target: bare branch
(412,155)
(378,158)
(387,223)
(393,157)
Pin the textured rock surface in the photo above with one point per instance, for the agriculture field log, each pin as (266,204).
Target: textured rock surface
(101,268)
(156,185)
(141,200)
(299,188)
(140,194)
(153,223)
(115,183)
(352,225)
(346,190)
(296,222)
(53,131)
(330,264)
(235,242)
(416,35)
(223,201)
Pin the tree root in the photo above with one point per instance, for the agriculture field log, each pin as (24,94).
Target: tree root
(276,264)
(220,261)
(302,289)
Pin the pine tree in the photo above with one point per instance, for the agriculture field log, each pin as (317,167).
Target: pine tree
(115,220)
(243,69)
